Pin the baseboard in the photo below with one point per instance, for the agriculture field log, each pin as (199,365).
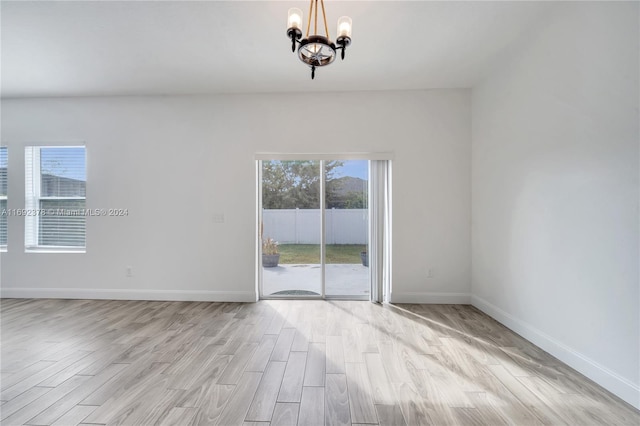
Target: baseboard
(128,294)
(431,298)
(613,382)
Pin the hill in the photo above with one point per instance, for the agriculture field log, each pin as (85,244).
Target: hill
(347,184)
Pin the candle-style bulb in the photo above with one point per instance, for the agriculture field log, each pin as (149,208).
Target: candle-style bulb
(295,18)
(344,26)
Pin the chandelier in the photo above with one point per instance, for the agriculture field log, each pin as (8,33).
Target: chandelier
(317,50)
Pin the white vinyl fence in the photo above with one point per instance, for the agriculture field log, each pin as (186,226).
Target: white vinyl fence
(302,226)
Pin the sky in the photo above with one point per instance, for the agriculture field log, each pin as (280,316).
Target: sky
(69,162)
(354,168)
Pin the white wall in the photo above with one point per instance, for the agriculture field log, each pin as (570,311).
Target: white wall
(556,192)
(202,150)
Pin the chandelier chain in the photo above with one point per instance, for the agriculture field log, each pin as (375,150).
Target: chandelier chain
(309,21)
(315,25)
(324,15)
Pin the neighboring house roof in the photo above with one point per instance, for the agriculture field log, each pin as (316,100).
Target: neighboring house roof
(52,185)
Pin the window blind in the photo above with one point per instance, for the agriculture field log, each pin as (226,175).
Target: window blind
(380,230)
(3,196)
(56,192)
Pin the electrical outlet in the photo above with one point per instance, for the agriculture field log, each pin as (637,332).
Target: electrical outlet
(429,273)
(218,218)
(129,271)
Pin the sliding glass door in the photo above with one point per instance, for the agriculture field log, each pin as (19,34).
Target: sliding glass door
(290,230)
(314,229)
(346,229)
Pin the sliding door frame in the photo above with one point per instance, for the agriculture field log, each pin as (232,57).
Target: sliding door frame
(374,293)
(259,274)
(323,237)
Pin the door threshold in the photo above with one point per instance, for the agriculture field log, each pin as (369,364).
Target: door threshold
(300,297)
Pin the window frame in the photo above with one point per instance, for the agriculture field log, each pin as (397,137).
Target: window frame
(34,199)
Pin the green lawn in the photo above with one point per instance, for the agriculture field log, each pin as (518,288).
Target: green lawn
(310,253)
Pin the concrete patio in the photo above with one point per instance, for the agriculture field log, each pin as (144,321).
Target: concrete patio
(341,279)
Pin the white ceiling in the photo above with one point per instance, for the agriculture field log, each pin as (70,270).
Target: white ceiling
(179,47)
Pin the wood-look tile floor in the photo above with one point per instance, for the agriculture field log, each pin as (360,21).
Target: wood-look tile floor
(68,362)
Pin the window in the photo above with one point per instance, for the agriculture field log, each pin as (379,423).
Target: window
(3,198)
(55,198)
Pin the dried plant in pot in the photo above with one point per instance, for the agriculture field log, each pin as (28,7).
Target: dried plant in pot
(270,255)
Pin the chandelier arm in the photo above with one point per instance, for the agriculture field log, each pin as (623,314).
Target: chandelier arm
(342,45)
(294,34)
(309,20)
(324,16)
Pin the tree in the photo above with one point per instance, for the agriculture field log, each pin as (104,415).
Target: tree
(356,200)
(294,184)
